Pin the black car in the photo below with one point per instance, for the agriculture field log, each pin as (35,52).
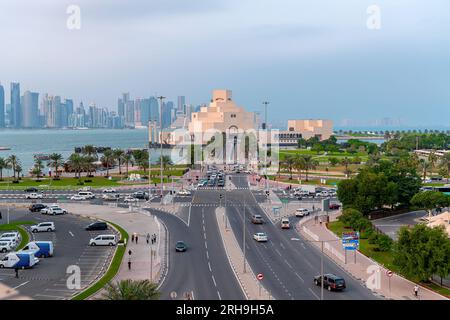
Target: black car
(180,246)
(141,195)
(221,183)
(31,189)
(37,207)
(97,226)
(330,282)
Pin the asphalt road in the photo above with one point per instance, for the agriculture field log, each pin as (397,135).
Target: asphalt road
(287,260)
(48,279)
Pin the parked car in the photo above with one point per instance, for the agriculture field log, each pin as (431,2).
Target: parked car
(109,190)
(141,195)
(37,207)
(78,198)
(260,237)
(180,246)
(257,219)
(6,246)
(301,212)
(13,237)
(334,206)
(86,194)
(285,223)
(40,249)
(99,225)
(103,240)
(129,199)
(184,192)
(330,282)
(47,209)
(111,197)
(85,189)
(34,196)
(31,189)
(43,227)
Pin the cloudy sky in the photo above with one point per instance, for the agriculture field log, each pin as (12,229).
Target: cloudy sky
(310,59)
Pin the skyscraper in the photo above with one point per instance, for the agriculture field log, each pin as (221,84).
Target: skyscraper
(15,120)
(30,110)
(167,114)
(2,106)
(181,103)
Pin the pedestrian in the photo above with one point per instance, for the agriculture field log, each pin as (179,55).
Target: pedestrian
(155,237)
(1,217)
(129,264)
(416,290)
(132,237)
(129,252)
(17,272)
(314,208)
(148,238)
(136,239)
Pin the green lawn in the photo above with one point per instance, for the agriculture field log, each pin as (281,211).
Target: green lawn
(330,182)
(112,270)
(63,183)
(17,226)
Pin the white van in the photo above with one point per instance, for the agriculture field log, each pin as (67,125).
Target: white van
(86,194)
(103,240)
(10,236)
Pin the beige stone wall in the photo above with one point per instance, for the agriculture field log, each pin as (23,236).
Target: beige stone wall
(312,127)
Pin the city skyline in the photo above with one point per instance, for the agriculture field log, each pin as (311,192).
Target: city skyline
(309,61)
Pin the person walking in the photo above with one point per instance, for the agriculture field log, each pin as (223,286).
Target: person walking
(129,263)
(1,217)
(148,238)
(129,252)
(136,237)
(416,291)
(132,237)
(17,272)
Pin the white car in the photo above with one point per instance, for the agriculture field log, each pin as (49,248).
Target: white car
(6,246)
(130,199)
(109,190)
(103,240)
(34,195)
(10,236)
(85,189)
(111,197)
(184,192)
(53,210)
(78,198)
(260,237)
(43,227)
(301,212)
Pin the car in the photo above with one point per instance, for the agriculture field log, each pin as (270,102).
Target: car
(34,196)
(260,237)
(111,197)
(10,236)
(47,209)
(301,212)
(202,183)
(86,194)
(103,240)
(180,246)
(330,282)
(85,189)
(184,192)
(221,183)
(78,198)
(141,195)
(53,210)
(257,219)
(6,246)
(334,206)
(99,225)
(285,223)
(37,207)
(211,183)
(109,190)
(31,189)
(130,199)
(43,227)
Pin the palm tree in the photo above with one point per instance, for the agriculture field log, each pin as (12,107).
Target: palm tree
(128,159)
(309,164)
(289,163)
(166,161)
(131,290)
(108,160)
(445,162)
(3,165)
(299,164)
(90,150)
(119,155)
(76,163)
(424,165)
(141,159)
(19,170)
(432,158)
(56,161)
(13,162)
(37,169)
(345,162)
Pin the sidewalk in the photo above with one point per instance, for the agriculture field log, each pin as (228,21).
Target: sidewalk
(365,269)
(140,223)
(247,280)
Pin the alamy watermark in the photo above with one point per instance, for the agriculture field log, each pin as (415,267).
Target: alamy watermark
(374,17)
(73,21)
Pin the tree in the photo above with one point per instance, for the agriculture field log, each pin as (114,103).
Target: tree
(131,290)
(37,169)
(289,164)
(119,155)
(13,162)
(345,162)
(309,164)
(56,161)
(421,252)
(141,158)
(430,200)
(3,166)
(108,160)
(128,159)
(333,161)
(166,161)
(77,163)
(19,170)
(91,151)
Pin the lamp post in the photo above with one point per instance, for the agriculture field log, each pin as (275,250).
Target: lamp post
(265,103)
(149,159)
(243,222)
(161,99)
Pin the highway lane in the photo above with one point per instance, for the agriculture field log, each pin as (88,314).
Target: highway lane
(288,265)
(204,269)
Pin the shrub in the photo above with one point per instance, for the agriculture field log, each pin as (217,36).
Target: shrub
(384,243)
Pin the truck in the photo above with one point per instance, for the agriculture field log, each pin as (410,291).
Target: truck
(18,260)
(40,249)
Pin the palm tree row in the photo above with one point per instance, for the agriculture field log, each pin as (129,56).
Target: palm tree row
(12,162)
(300,163)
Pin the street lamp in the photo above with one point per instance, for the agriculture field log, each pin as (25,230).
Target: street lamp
(243,222)
(161,99)
(265,103)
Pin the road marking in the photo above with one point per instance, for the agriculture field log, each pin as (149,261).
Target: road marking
(295,239)
(282,245)
(207,255)
(314,294)
(70,232)
(218,293)
(299,277)
(214,280)
(209,266)
(22,284)
(288,264)
(276,250)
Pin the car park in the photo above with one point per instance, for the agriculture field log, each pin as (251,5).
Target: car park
(78,198)
(103,240)
(285,223)
(6,246)
(257,219)
(180,246)
(301,212)
(260,237)
(37,207)
(43,227)
(99,225)
(18,260)
(330,282)
(34,196)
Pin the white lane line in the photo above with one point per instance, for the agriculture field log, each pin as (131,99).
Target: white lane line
(22,284)
(299,277)
(218,293)
(314,294)
(288,264)
(48,296)
(279,253)
(209,266)
(206,245)
(189,217)
(303,246)
(70,232)
(214,280)
(282,245)
(207,255)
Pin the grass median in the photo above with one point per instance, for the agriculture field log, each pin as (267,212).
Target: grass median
(113,267)
(18,226)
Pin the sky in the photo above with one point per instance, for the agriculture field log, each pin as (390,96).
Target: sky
(309,59)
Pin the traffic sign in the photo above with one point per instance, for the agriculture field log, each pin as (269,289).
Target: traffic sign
(389,273)
(350,240)
(260,276)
